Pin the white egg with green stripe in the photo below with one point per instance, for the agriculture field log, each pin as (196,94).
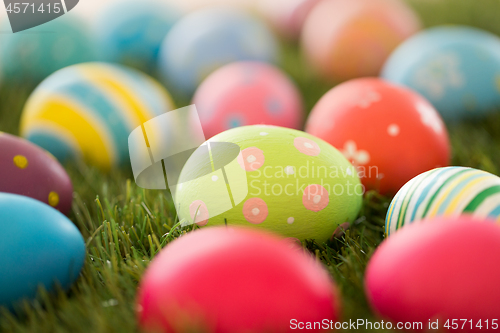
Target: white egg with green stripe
(446,191)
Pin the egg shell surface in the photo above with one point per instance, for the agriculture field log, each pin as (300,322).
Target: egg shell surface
(247,93)
(298,185)
(457,68)
(131,32)
(443,268)
(38,246)
(345,39)
(87,111)
(445,192)
(29,170)
(209,38)
(39,52)
(390,133)
(234,280)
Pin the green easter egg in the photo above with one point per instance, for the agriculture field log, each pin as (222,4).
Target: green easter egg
(273,178)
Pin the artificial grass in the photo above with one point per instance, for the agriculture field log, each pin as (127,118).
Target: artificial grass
(125,226)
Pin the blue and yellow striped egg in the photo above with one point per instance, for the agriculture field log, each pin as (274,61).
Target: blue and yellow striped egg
(449,191)
(131,32)
(208,39)
(88,110)
(42,50)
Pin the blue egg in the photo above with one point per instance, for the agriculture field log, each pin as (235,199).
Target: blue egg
(131,32)
(39,246)
(38,52)
(208,39)
(457,68)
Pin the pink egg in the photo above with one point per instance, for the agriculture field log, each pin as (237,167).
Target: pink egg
(446,270)
(287,16)
(390,133)
(247,93)
(234,280)
(344,39)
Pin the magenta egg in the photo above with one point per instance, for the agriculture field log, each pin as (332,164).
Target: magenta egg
(446,271)
(28,170)
(248,93)
(235,280)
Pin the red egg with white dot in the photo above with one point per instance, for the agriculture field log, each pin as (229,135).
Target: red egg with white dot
(29,170)
(234,280)
(345,39)
(390,133)
(247,93)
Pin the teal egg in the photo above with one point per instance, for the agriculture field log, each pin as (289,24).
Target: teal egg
(457,68)
(449,191)
(39,246)
(131,32)
(38,52)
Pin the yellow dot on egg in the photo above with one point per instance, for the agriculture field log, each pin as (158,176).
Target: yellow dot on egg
(21,161)
(53,199)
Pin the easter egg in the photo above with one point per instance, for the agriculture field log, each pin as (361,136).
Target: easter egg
(278,179)
(131,32)
(443,270)
(42,50)
(345,39)
(234,280)
(88,110)
(389,133)
(247,93)
(457,68)
(209,38)
(29,170)
(447,191)
(287,16)
(39,246)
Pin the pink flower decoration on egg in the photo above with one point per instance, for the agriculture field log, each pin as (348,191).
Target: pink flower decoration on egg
(315,198)
(199,208)
(307,146)
(255,210)
(251,159)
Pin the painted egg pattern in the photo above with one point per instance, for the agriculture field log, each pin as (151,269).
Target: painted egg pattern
(36,54)
(280,179)
(271,281)
(390,133)
(131,33)
(38,246)
(88,110)
(441,269)
(207,39)
(345,39)
(247,93)
(447,191)
(457,68)
(29,170)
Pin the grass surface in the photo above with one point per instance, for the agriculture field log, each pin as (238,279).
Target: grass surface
(125,226)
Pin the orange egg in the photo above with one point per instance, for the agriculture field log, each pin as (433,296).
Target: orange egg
(344,39)
(390,133)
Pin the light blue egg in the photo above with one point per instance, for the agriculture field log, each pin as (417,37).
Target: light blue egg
(457,68)
(208,39)
(39,246)
(131,32)
(38,52)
